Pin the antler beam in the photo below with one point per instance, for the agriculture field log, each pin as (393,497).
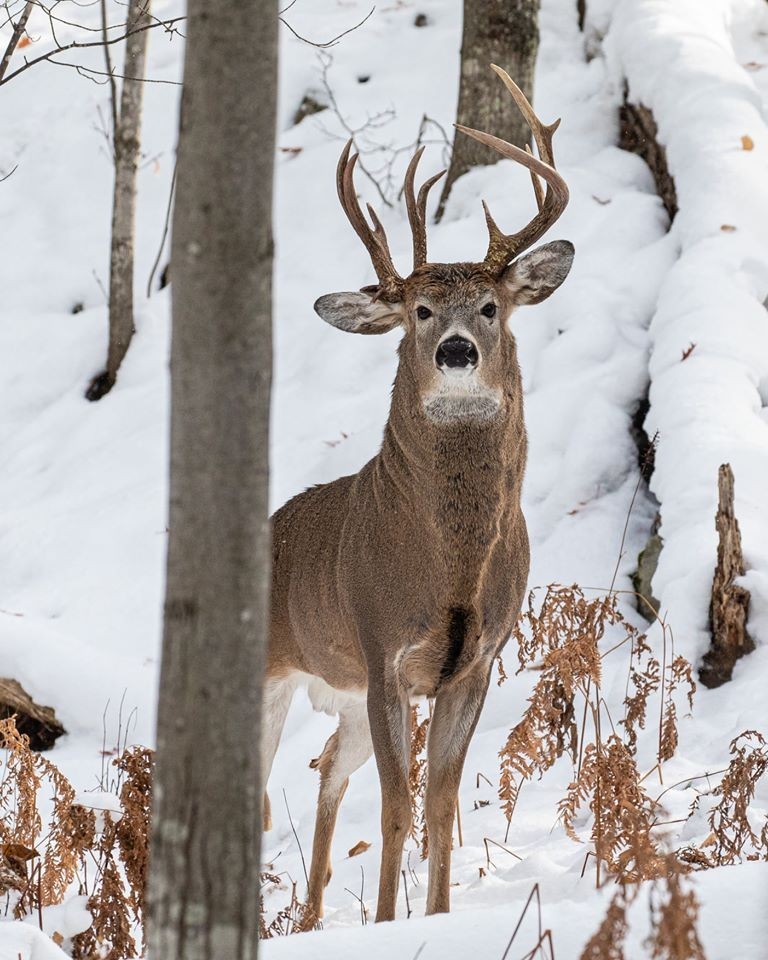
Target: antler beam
(502,247)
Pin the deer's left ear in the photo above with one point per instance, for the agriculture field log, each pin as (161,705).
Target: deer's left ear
(539,273)
(359,312)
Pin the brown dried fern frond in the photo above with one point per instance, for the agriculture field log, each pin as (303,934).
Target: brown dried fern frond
(295,917)
(562,641)
(417,780)
(734,835)
(133,829)
(623,813)
(674,920)
(607,942)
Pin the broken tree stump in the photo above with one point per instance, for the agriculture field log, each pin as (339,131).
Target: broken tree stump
(729,608)
(34,721)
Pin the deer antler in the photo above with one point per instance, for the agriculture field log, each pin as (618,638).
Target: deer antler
(502,247)
(417,209)
(375,240)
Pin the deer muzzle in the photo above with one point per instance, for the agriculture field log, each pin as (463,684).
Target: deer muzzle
(456,352)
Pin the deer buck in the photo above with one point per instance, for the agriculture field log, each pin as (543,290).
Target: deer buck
(405,580)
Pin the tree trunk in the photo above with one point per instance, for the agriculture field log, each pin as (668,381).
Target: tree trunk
(504,32)
(127,148)
(204,874)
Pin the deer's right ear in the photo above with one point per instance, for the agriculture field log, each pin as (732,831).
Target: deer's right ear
(358,312)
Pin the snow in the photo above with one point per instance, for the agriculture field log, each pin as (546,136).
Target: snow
(83,488)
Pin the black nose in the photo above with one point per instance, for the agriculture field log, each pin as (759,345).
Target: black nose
(456,352)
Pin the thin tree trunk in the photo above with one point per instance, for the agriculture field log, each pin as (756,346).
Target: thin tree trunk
(18,30)
(204,874)
(504,32)
(127,149)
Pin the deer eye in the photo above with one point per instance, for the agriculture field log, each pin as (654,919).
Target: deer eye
(423,313)
(488,310)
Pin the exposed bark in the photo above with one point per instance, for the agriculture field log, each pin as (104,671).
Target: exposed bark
(18,30)
(33,720)
(505,32)
(642,579)
(729,609)
(638,134)
(204,874)
(127,148)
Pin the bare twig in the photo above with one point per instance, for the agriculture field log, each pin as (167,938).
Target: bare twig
(168,25)
(166,226)
(328,43)
(298,842)
(18,29)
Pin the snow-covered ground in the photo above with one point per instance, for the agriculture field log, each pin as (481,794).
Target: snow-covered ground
(83,486)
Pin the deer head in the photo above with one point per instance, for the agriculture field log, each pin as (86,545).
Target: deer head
(457,347)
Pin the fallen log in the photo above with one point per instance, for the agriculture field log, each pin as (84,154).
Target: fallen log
(33,720)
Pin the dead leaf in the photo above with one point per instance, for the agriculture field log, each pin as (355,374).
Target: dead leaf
(753,65)
(711,839)
(728,228)
(24,42)
(17,851)
(57,938)
(688,351)
(360,847)
(747,143)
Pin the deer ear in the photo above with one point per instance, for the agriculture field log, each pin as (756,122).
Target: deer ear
(539,273)
(358,312)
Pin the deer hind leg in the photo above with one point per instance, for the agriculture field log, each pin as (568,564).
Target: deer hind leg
(276,700)
(390,729)
(346,750)
(455,715)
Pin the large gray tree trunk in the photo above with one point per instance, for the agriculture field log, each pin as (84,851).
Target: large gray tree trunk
(504,32)
(204,874)
(127,150)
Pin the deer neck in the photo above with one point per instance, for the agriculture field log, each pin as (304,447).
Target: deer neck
(460,481)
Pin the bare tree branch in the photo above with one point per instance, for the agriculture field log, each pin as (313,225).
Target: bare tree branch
(15,37)
(168,25)
(327,43)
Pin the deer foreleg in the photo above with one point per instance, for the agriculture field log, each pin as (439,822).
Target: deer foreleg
(455,715)
(390,727)
(347,749)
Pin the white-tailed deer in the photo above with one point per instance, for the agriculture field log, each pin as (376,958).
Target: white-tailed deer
(405,579)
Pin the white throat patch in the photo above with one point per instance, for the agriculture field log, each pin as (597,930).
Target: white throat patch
(460,395)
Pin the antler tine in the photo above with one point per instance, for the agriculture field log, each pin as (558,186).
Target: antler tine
(537,187)
(374,240)
(417,208)
(502,248)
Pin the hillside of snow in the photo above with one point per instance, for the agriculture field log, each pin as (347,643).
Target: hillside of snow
(83,488)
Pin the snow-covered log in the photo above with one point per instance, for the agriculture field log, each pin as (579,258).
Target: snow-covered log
(709,336)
